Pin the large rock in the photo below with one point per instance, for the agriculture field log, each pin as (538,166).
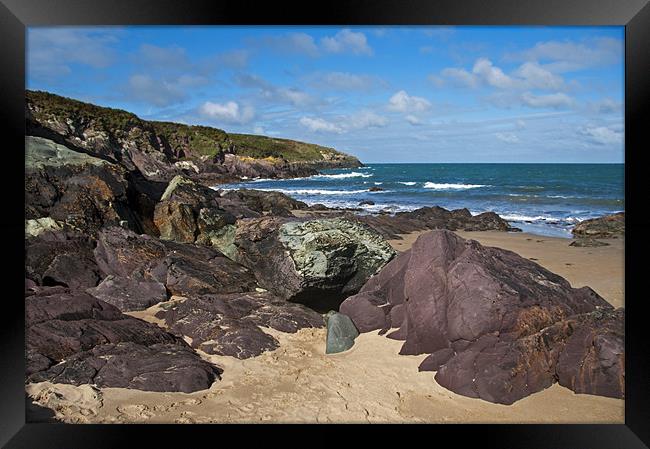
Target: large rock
(72,337)
(490,319)
(128,294)
(81,191)
(184,269)
(276,203)
(315,262)
(62,258)
(341,333)
(607,226)
(231,324)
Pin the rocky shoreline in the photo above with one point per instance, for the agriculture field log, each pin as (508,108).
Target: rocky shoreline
(109,233)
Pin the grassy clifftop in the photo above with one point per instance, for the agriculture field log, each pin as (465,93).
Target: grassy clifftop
(185,141)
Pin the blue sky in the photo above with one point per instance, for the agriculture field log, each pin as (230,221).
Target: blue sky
(384,94)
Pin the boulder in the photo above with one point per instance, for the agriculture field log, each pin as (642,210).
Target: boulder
(341,333)
(366,203)
(61,258)
(72,337)
(375,189)
(128,294)
(184,269)
(607,226)
(69,187)
(490,319)
(277,203)
(314,262)
(231,324)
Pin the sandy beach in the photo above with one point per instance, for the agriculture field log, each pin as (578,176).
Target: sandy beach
(298,382)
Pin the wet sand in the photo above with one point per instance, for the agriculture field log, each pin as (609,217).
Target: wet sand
(298,382)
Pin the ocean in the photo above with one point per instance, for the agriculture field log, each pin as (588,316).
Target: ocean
(543,199)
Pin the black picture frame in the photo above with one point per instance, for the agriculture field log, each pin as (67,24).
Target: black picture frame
(16,15)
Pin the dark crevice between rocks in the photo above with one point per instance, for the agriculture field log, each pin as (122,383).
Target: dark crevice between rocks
(320,301)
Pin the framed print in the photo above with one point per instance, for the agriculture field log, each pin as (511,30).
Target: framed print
(375,213)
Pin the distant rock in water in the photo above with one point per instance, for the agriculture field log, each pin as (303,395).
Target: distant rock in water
(497,326)
(607,226)
(366,203)
(375,189)
(315,262)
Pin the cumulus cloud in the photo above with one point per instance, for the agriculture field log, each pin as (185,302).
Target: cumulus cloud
(320,125)
(601,135)
(529,75)
(403,102)
(292,43)
(230,112)
(51,51)
(272,93)
(413,120)
(344,81)
(565,56)
(606,105)
(556,100)
(507,137)
(362,119)
(346,40)
(160,92)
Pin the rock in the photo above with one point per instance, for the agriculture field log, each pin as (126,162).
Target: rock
(607,226)
(184,269)
(366,203)
(587,242)
(75,189)
(231,324)
(375,189)
(74,338)
(128,294)
(341,333)
(189,212)
(261,201)
(315,262)
(159,367)
(499,313)
(33,228)
(61,258)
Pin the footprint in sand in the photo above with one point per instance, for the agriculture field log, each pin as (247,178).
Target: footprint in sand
(191,402)
(135,411)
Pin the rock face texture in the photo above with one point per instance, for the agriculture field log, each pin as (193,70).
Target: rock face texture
(341,333)
(83,192)
(230,324)
(497,326)
(314,262)
(75,338)
(608,226)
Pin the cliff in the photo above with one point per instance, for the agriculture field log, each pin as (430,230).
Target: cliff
(162,150)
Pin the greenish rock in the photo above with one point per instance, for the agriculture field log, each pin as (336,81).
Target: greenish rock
(224,240)
(41,152)
(34,228)
(328,249)
(341,332)
(176,182)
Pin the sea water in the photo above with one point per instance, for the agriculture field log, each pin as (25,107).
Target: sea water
(544,199)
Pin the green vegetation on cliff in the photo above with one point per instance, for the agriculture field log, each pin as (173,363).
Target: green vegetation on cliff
(185,141)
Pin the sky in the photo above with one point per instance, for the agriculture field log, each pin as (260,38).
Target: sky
(384,94)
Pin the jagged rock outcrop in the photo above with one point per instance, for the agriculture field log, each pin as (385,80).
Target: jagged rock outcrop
(275,203)
(63,258)
(315,262)
(184,269)
(72,337)
(607,226)
(73,189)
(230,324)
(497,326)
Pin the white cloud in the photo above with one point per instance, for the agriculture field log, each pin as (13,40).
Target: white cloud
(507,137)
(413,120)
(569,56)
(320,125)
(520,124)
(601,135)
(346,41)
(529,75)
(269,92)
(403,102)
(606,105)
(229,112)
(344,81)
(152,56)
(366,119)
(50,51)
(556,100)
